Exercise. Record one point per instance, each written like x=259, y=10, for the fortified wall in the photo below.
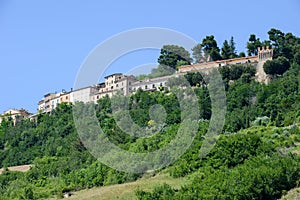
x=264, y=54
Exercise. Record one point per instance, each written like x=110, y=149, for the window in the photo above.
x=153, y=86
x=117, y=85
x=160, y=84
x=129, y=83
x=67, y=97
x=146, y=87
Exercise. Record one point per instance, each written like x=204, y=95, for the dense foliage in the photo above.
x=277, y=66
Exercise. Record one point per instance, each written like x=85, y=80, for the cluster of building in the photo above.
x=128, y=84
x=114, y=83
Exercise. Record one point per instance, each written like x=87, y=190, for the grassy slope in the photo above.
x=126, y=191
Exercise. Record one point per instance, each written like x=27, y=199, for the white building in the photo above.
x=153, y=84
x=83, y=94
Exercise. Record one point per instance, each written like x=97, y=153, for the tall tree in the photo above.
x=252, y=45
x=233, y=53
x=200, y=56
x=277, y=39
x=209, y=45
x=226, y=50
x=197, y=53
x=174, y=56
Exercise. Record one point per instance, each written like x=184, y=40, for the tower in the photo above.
x=264, y=54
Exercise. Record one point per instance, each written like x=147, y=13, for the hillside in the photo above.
x=127, y=191
x=254, y=157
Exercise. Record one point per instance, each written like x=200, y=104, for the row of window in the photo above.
x=146, y=87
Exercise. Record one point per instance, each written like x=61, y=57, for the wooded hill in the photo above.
x=253, y=157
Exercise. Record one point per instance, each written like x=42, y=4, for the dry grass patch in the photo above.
x=126, y=191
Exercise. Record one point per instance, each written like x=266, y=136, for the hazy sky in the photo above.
x=43, y=43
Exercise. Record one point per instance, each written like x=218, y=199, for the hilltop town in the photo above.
x=128, y=84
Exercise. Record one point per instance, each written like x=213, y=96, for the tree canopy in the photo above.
x=174, y=56
x=277, y=66
x=210, y=46
x=252, y=45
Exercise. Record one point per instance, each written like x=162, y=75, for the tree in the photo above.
x=209, y=45
x=292, y=47
x=252, y=45
x=277, y=66
x=163, y=70
x=233, y=53
x=199, y=55
x=174, y=56
x=242, y=54
x=194, y=78
x=277, y=39
x=226, y=50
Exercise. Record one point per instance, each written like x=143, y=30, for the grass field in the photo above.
x=126, y=191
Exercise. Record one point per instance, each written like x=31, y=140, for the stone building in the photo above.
x=257, y=61
x=15, y=115
x=113, y=84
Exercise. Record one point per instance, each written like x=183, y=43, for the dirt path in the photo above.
x=21, y=168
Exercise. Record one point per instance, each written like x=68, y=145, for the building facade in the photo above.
x=264, y=54
x=113, y=84
x=15, y=115
x=153, y=84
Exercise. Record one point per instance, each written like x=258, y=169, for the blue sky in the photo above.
x=43, y=43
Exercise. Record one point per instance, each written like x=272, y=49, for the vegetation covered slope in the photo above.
x=251, y=159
